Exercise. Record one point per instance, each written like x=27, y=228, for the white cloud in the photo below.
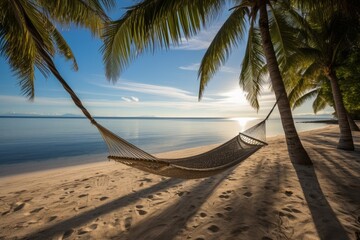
x=191, y=67
x=130, y=99
x=135, y=99
x=157, y=90
x=199, y=42
x=126, y=99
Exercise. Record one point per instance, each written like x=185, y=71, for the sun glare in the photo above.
x=243, y=122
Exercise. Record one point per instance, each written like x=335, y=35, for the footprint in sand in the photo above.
x=181, y=193
x=248, y=194
x=82, y=231
x=202, y=214
x=224, y=196
x=82, y=195
x=36, y=210
x=93, y=226
x=288, y=215
x=4, y=213
x=295, y=210
x=228, y=209
x=141, y=212
x=288, y=193
x=19, y=206
x=103, y=198
x=102, y=180
x=213, y=228
x=127, y=223
x=220, y=215
x=52, y=218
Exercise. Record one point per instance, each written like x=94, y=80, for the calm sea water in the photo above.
x=43, y=139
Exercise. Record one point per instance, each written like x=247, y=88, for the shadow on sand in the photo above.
x=324, y=218
x=88, y=216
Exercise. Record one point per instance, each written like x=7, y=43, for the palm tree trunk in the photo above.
x=296, y=150
x=353, y=126
x=345, y=141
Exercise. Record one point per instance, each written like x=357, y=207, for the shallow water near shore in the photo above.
x=30, y=139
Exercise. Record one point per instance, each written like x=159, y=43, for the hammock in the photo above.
x=203, y=165
x=206, y=164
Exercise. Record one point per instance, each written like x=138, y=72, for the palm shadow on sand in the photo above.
x=88, y=216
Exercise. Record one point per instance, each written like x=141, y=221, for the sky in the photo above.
x=162, y=84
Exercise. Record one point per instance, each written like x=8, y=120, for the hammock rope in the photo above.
x=205, y=164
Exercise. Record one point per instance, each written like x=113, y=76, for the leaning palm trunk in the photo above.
x=296, y=150
x=345, y=141
x=352, y=123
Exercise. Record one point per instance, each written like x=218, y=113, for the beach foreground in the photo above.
x=265, y=197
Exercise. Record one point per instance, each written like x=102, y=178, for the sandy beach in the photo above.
x=265, y=197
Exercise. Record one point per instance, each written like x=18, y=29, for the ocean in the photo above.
x=40, y=139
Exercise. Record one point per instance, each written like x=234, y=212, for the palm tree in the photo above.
x=326, y=36
x=319, y=90
x=152, y=24
x=29, y=37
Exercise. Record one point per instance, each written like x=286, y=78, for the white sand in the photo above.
x=265, y=197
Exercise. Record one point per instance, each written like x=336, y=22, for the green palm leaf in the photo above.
x=153, y=24
x=251, y=67
x=229, y=35
x=305, y=97
x=28, y=32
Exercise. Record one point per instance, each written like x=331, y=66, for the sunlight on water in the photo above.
x=43, y=139
x=244, y=123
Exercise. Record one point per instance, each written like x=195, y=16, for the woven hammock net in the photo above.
x=205, y=164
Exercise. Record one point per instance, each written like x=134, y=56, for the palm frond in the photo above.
x=283, y=36
x=252, y=65
x=305, y=97
x=63, y=48
x=89, y=14
x=228, y=36
x=319, y=103
x=313, y=71
x=153, y=24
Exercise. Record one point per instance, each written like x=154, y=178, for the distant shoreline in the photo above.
x=329, y=121
x=321, y=119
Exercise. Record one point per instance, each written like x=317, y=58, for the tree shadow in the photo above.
x=88, y=216
x=168, y=223
x=324, y=218
x=253, y=207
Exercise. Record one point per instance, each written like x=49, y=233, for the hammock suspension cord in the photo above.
x=206, y=164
